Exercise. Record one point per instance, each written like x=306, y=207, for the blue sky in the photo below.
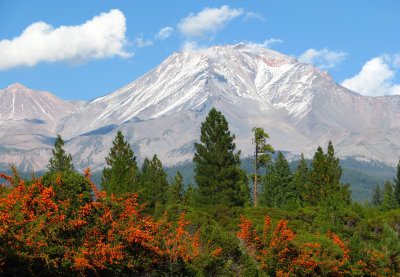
x=86, y=49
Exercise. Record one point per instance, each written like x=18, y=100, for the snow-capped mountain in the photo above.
x=28, y=119
x=299, y=106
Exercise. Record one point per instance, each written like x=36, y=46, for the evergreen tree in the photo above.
x=218, y=175
x=154, y=183
x=389, y=198
x=301, y=179
x=325, y=176
x=177, y=190
x=261, y=153
x=377, y=196
x=270, y=189
x=60, y=161
x=277, y=183
x=284, y=179
x=397, y=184
x=122, y=176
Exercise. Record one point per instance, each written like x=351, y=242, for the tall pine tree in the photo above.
x=122, y=175
x=377, y=196
x=60, y=161
x=261, y=156
x=277, y=187
x=301, y=179
x=325, y=183
x=154, y=182
x=218, y=175
x=397, y=184
x=389, y=197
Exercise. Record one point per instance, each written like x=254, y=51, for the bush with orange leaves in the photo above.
x=39, y=233
x=281, y=253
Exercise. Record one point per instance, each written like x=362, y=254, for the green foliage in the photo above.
x=301, y=180
x=218, y=174
x=377, y=196
x=123, y=174
x=397, y=184
x=261, y=156
x=69, y=186
x=277, y=184
x=60, y=161
x=154, y=184
x=389, y=198
x=325, y=183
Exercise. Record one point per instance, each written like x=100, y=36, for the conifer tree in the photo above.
x=122, y=176
x=389, y=198
x=325, y=176
x=154, y=183
x=377, y=197
x=301, y=179
x=60, y=161
x=270, y=189
x=176, y=193
x=397, y=184
x=277, y=183
x=261, y=153
x=218, y=175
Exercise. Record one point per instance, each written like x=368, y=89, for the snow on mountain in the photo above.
x=298, y=105
x=28, y=119
x=186, y=79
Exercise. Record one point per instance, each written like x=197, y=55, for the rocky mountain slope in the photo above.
x=28, y=119
x=298, y=105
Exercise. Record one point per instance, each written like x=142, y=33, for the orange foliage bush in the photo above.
x=279, y=254
x=107, y=233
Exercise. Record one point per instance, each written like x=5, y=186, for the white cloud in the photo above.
x=164, y=33
x=253, y=15
x=190, y=45
x=142, y=43
x=375, y=78
x=98, y=38
x=266, y=44
x=324, y=58
x=207, y=21
x=396, y=60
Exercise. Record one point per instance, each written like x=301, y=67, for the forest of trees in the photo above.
x=274, y=222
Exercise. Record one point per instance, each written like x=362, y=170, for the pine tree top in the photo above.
x=60, y=161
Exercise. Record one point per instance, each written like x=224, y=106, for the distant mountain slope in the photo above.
x=299, y=106
x=28, y=119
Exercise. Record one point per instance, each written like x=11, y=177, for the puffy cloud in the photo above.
x=98, y=38
x=375, y=78
x=324, y=58
x=207, y=21
x=266, y=44
x=142, y=43
x=164, y=33
x=253, y=15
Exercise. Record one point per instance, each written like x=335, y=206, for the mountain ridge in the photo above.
x=297, y=104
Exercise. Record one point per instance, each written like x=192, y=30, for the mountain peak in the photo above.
x=17, y=86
